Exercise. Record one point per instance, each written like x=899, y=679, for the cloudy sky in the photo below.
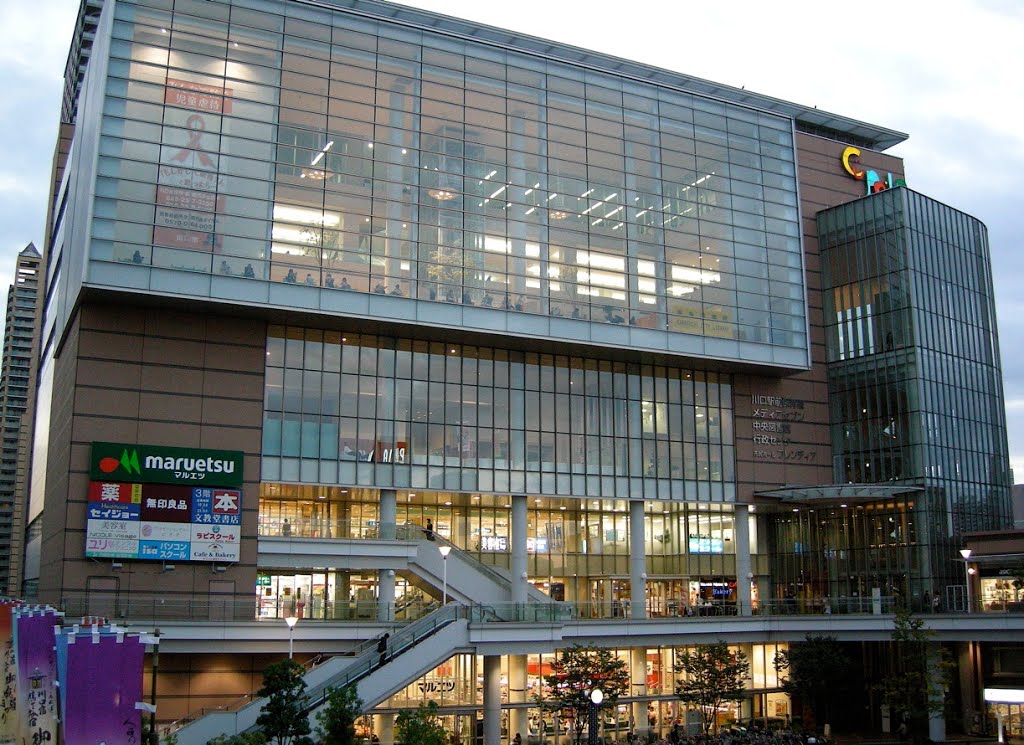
x=950, y=75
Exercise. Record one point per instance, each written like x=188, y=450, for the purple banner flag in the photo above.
x=36, y=660
x=100, y=676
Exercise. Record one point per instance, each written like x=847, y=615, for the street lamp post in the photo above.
x=445, y=550
x=596, y=697
x=966, y=553
x=291, y=621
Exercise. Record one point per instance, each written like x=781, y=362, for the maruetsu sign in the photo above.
x=874, y=182
x=151, y=464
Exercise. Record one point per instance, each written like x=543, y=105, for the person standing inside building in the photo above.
x=429, y=530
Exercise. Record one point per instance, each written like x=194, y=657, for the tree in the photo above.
x=818, y=670
x=579, y=670
x=713, y=675
x=915, y=687
x=245, y=738
x=282, y=718
x=421, y=727
x=336, y=722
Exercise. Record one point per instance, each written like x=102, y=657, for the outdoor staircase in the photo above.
x=446, y=632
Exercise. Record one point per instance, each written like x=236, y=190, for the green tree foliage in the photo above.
x=245, y=738
x=710, y=675
x=336, y=722
x=574, y=674
x=283, y=719
x=421, y=727
x=911, y=691
x=818, y=670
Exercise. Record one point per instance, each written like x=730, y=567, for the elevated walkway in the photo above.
x=411, y=552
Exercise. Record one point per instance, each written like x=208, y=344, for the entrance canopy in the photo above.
x=837, y=493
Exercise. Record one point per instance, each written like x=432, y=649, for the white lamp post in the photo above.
x=596, y=697
x=966, y=553
x=291, y=621
x=445, y=550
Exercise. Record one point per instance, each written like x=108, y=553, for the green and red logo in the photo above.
x=154, y=464
x=129, y=461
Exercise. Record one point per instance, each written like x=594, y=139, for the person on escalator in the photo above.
x=382, y=647
x=429, y=530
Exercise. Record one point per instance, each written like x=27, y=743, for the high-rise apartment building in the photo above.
x=331, y=285
x=15, y=385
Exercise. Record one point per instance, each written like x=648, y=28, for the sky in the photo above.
x=948, y=74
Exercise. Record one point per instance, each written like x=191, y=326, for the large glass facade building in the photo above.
x=564, y=313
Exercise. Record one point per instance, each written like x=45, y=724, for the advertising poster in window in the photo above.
x=105, y=668
x=187, y=194
x=131, y=517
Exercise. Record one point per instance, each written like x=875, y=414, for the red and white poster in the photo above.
x=187, y=202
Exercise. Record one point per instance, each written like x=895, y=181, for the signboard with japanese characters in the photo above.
x=164, y=521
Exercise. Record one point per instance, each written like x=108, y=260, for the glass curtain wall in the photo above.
x=577, y=550
x=378, y=411
x=342, y=153
x=914, y=374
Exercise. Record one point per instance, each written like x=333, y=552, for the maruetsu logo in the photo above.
x=129, y=461
x=196, y=467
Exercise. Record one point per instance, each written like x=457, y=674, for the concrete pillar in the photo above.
x=638, y=687
x=741, y=536
x=386, y=595
x=936, y=689
x=518, y=720
x=384, y=728
x=969, y=697
x=637, y=561
x=492, y=700
x=388, y=513
x=518, y=540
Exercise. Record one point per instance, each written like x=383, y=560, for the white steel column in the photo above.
x=388, y=514
x=638, y=687
x=518, y=539
x=637, y=561
x=492, y=700
x=386, y=577
x=386, y=595
x=517, y=718
x=384, y=727
x=741, y=533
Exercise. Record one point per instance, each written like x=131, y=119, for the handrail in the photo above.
x=413, y=532
x=401, y=641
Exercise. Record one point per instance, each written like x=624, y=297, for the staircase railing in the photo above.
x=413, y=532
x=367, y=657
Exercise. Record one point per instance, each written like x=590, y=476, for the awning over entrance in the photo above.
x=836, y=493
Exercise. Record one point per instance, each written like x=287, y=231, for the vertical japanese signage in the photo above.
x=100, y=678
x=145, y=503
x=37, y=674
x=9, y=674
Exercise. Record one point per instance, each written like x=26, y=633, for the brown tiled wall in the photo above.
x=159, y=377
x=806, y=458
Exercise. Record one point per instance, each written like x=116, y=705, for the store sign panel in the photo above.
x=150, y=464
x=163, y=522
